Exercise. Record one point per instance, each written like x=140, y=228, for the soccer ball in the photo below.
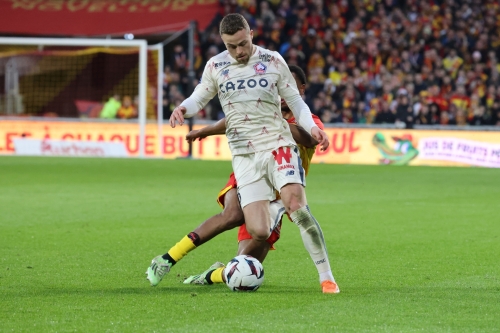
x=244, y=273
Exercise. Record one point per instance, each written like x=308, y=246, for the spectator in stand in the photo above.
x=445, y=119
x=385, y=115
x=452, y=63
x=423, y=116
x=347, y=116
x=127, y=110
x=404, y=112
x=111, y=107
x=480, y=118
x=420, y=84
x=167, y=76
x=461, y=119
x=360, y=115
x=435, y=114
x=179, y=59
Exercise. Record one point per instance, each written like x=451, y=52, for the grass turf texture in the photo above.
x=413, y=249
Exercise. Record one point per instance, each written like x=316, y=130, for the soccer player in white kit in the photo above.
x=250, y=82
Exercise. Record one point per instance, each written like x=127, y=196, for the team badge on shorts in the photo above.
x=260, y=68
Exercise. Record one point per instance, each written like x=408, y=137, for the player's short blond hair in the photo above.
x=232, y=23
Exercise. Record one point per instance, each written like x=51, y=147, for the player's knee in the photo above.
x=293, y=197
x=259, y=233
x=293, y=205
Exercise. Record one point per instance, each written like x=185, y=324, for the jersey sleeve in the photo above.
x=287, y=89
x=318, y=122
x=202, y=94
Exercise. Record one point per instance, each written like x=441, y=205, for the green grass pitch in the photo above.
x=412, y=248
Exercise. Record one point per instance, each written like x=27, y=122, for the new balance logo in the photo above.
x=265, y=57
x=290, y=173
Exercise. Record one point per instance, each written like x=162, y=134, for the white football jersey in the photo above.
x=250, y=96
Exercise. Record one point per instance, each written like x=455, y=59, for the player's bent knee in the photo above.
x=260, y=233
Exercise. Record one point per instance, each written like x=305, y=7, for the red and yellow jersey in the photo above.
x=306, y=154
x=461, y=101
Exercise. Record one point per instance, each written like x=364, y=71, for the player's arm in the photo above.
x=301, y=136
x=215, y=129
x=202, y=94
x=287, y=88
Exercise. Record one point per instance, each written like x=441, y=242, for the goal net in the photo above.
x=79, y=78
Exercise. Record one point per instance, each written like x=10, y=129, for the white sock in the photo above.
x=326, y=276
x=314, y=242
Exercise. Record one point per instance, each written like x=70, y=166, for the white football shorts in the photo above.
x=259, y=174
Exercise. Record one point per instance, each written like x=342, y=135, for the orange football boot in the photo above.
x=330, y=287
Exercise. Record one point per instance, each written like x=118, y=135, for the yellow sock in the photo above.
x=181, y=249
x=216, y=275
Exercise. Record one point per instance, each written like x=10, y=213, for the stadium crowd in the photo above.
x=372, y=61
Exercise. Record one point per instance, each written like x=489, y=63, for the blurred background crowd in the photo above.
x=425, y=62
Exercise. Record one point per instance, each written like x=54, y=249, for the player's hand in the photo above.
x=177, y=116
x=193, y=135
x=321, y=137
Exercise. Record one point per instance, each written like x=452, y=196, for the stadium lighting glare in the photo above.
x=129, y=36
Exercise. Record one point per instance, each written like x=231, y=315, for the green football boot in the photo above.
x=202, y=278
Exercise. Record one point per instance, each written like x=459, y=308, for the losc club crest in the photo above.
x=260, y=68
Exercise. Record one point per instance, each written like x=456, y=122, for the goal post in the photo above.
x=158, y=48
x=13, y=98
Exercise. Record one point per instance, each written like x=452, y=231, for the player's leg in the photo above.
x=255, y=249
x=293, y=196
x=291, y=184
x=229, y=218
x=255, y=199
x=254, y=194
x=246, y=245
x=251, y=247
x=257, y=217
x=259, y=250
x=215, y=273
